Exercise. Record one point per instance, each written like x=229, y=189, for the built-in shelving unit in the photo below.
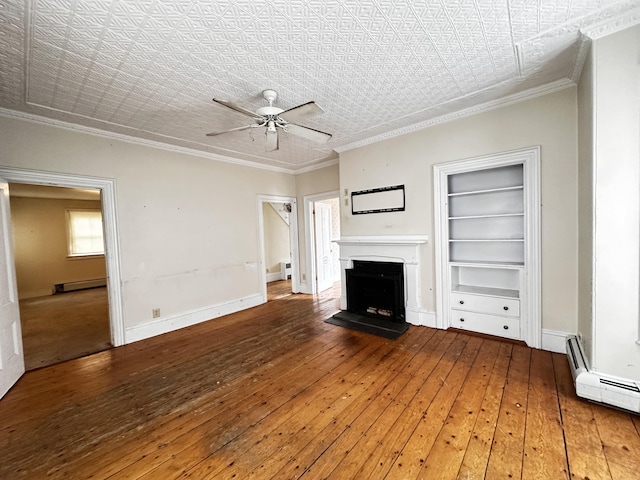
x=485, y=239
x=486, y=215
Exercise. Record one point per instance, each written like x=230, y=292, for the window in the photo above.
x=85, y=232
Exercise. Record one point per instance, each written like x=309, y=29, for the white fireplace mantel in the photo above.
x=397, y=248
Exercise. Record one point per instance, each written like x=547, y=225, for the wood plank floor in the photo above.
x=275, y=393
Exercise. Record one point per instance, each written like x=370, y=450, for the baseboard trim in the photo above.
x=43, y=292
x=554, y=341
x=274, y=277
x=175, y=322
x=421, y=317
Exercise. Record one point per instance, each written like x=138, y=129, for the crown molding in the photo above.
x=581, y=57
x=317, y=166
x=29, y=117
x=465, y=112
x=612, y=25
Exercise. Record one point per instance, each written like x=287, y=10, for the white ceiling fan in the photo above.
x=273, y=118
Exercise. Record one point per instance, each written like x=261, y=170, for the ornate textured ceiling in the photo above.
x=148, y=69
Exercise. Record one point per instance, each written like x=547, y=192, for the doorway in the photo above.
x=12, y=358
x=106, y=186
x=277, y=248
x=60, y=272
x=322, y=231
x=278, y=244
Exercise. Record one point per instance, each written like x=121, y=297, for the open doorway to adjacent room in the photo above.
x=61, y=273
x=277, y=248
x=278, y=226
x=322, y=224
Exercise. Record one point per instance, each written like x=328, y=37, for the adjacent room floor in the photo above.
x=61, y=327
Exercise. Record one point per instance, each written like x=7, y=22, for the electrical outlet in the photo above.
x=155, y=312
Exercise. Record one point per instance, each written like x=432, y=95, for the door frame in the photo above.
x=107, y=187
x=310, y=236
x=293, y=243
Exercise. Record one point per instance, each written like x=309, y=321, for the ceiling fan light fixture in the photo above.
x=269, y=117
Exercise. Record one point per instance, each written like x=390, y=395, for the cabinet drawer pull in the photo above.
x=505, y=307
x=461, y=302
x=462, y=319
x=506, y=327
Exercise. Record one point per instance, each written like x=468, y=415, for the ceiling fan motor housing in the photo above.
x=269, y=111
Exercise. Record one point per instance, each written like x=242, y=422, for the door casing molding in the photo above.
x=107, y=187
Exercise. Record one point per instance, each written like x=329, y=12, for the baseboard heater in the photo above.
x=81, y=285
x=591, y=385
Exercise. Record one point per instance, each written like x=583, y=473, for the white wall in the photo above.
x=617, y=201
x=188, y=225
x=549, y=121
x=585, y=204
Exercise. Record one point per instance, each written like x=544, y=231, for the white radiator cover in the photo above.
x=597, y=387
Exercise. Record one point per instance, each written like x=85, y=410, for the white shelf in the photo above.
x=488, y=190
x=488, y=291
x=516, y=265
x=500, y=215
x=498, y=202
x=487, y=240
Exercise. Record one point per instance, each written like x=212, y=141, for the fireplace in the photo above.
x=375, y=299
x=404, y=253
x=376, y=289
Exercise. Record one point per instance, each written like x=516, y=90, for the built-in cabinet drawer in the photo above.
x=490, y=324
x=486, y=304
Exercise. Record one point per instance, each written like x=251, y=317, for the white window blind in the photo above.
x=85, y=232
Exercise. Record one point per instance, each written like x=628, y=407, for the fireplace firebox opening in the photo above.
x=376, y=289
x=375, y=299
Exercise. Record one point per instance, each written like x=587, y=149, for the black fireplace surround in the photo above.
x=376, y=289
x=375, y=299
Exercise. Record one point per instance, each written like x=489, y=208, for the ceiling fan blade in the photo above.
x=308, y=133
x=306, y=110
x=236, y=108
x=213, y=134
x=271, y=140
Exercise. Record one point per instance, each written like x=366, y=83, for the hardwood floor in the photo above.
x=275, y=393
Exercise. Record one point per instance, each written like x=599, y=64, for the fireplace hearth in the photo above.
x=375, y=299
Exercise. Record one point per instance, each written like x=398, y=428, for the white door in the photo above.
x=324, y=264
x=11, y=357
